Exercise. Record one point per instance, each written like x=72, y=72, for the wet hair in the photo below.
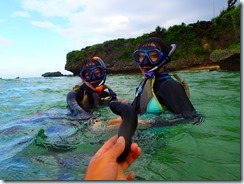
x=165, y=48
x=94, y=61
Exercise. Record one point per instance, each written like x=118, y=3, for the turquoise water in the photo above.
x=40, y=141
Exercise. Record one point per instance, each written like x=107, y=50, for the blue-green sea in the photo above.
x=40, y=141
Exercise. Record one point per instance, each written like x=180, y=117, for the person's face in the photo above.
x=154, y=56
x=93, y=75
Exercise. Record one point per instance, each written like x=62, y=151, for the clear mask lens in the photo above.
x=154, y=56
x=93, y=73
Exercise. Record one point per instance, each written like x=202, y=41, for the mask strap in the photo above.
x=167, y=58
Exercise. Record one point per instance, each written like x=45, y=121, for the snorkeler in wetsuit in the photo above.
x=158, y=91
x=92, y=92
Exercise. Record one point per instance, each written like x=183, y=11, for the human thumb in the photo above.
x=117, y=148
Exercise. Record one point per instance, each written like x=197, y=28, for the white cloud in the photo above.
x=44, y=24
x=58, y=8
x=21, y=14
x=93, y=21
x=5, y=42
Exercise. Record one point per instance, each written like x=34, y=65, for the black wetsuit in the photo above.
x=83, y=99
x=171, y=94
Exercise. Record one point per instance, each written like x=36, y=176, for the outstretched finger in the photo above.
x=117, y=148
x=107, y=145
x=131, y=176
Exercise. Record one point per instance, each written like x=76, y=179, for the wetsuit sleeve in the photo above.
x=108, y=96
x=72, y=100
x=135, y=106
x=112, y=94
x=173, y=96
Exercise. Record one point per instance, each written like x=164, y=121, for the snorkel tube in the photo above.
x=128, y=125
x=100, y=61
x=151, y=72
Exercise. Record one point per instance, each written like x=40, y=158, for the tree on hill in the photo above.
x=231, y=4
x=195, y=43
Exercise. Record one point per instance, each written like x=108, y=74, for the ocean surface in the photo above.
x=39, y=140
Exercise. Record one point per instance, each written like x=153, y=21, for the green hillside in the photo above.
x=195, y=44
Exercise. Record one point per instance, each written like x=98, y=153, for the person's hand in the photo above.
x=116, y=121
x=123, y=100
x=142, y=124
x=104, y=165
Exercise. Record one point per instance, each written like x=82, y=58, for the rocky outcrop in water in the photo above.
x=227, y=60
x=204, y=43
x=54, y=74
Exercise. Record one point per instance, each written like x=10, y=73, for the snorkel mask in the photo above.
x=93, y=72
x=153, y=58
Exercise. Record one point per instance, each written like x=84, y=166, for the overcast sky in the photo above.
x=36, y=35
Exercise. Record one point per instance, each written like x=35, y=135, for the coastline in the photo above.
x=201, y=68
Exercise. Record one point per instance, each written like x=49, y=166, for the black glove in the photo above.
x=75, y=109
x=128, y=125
